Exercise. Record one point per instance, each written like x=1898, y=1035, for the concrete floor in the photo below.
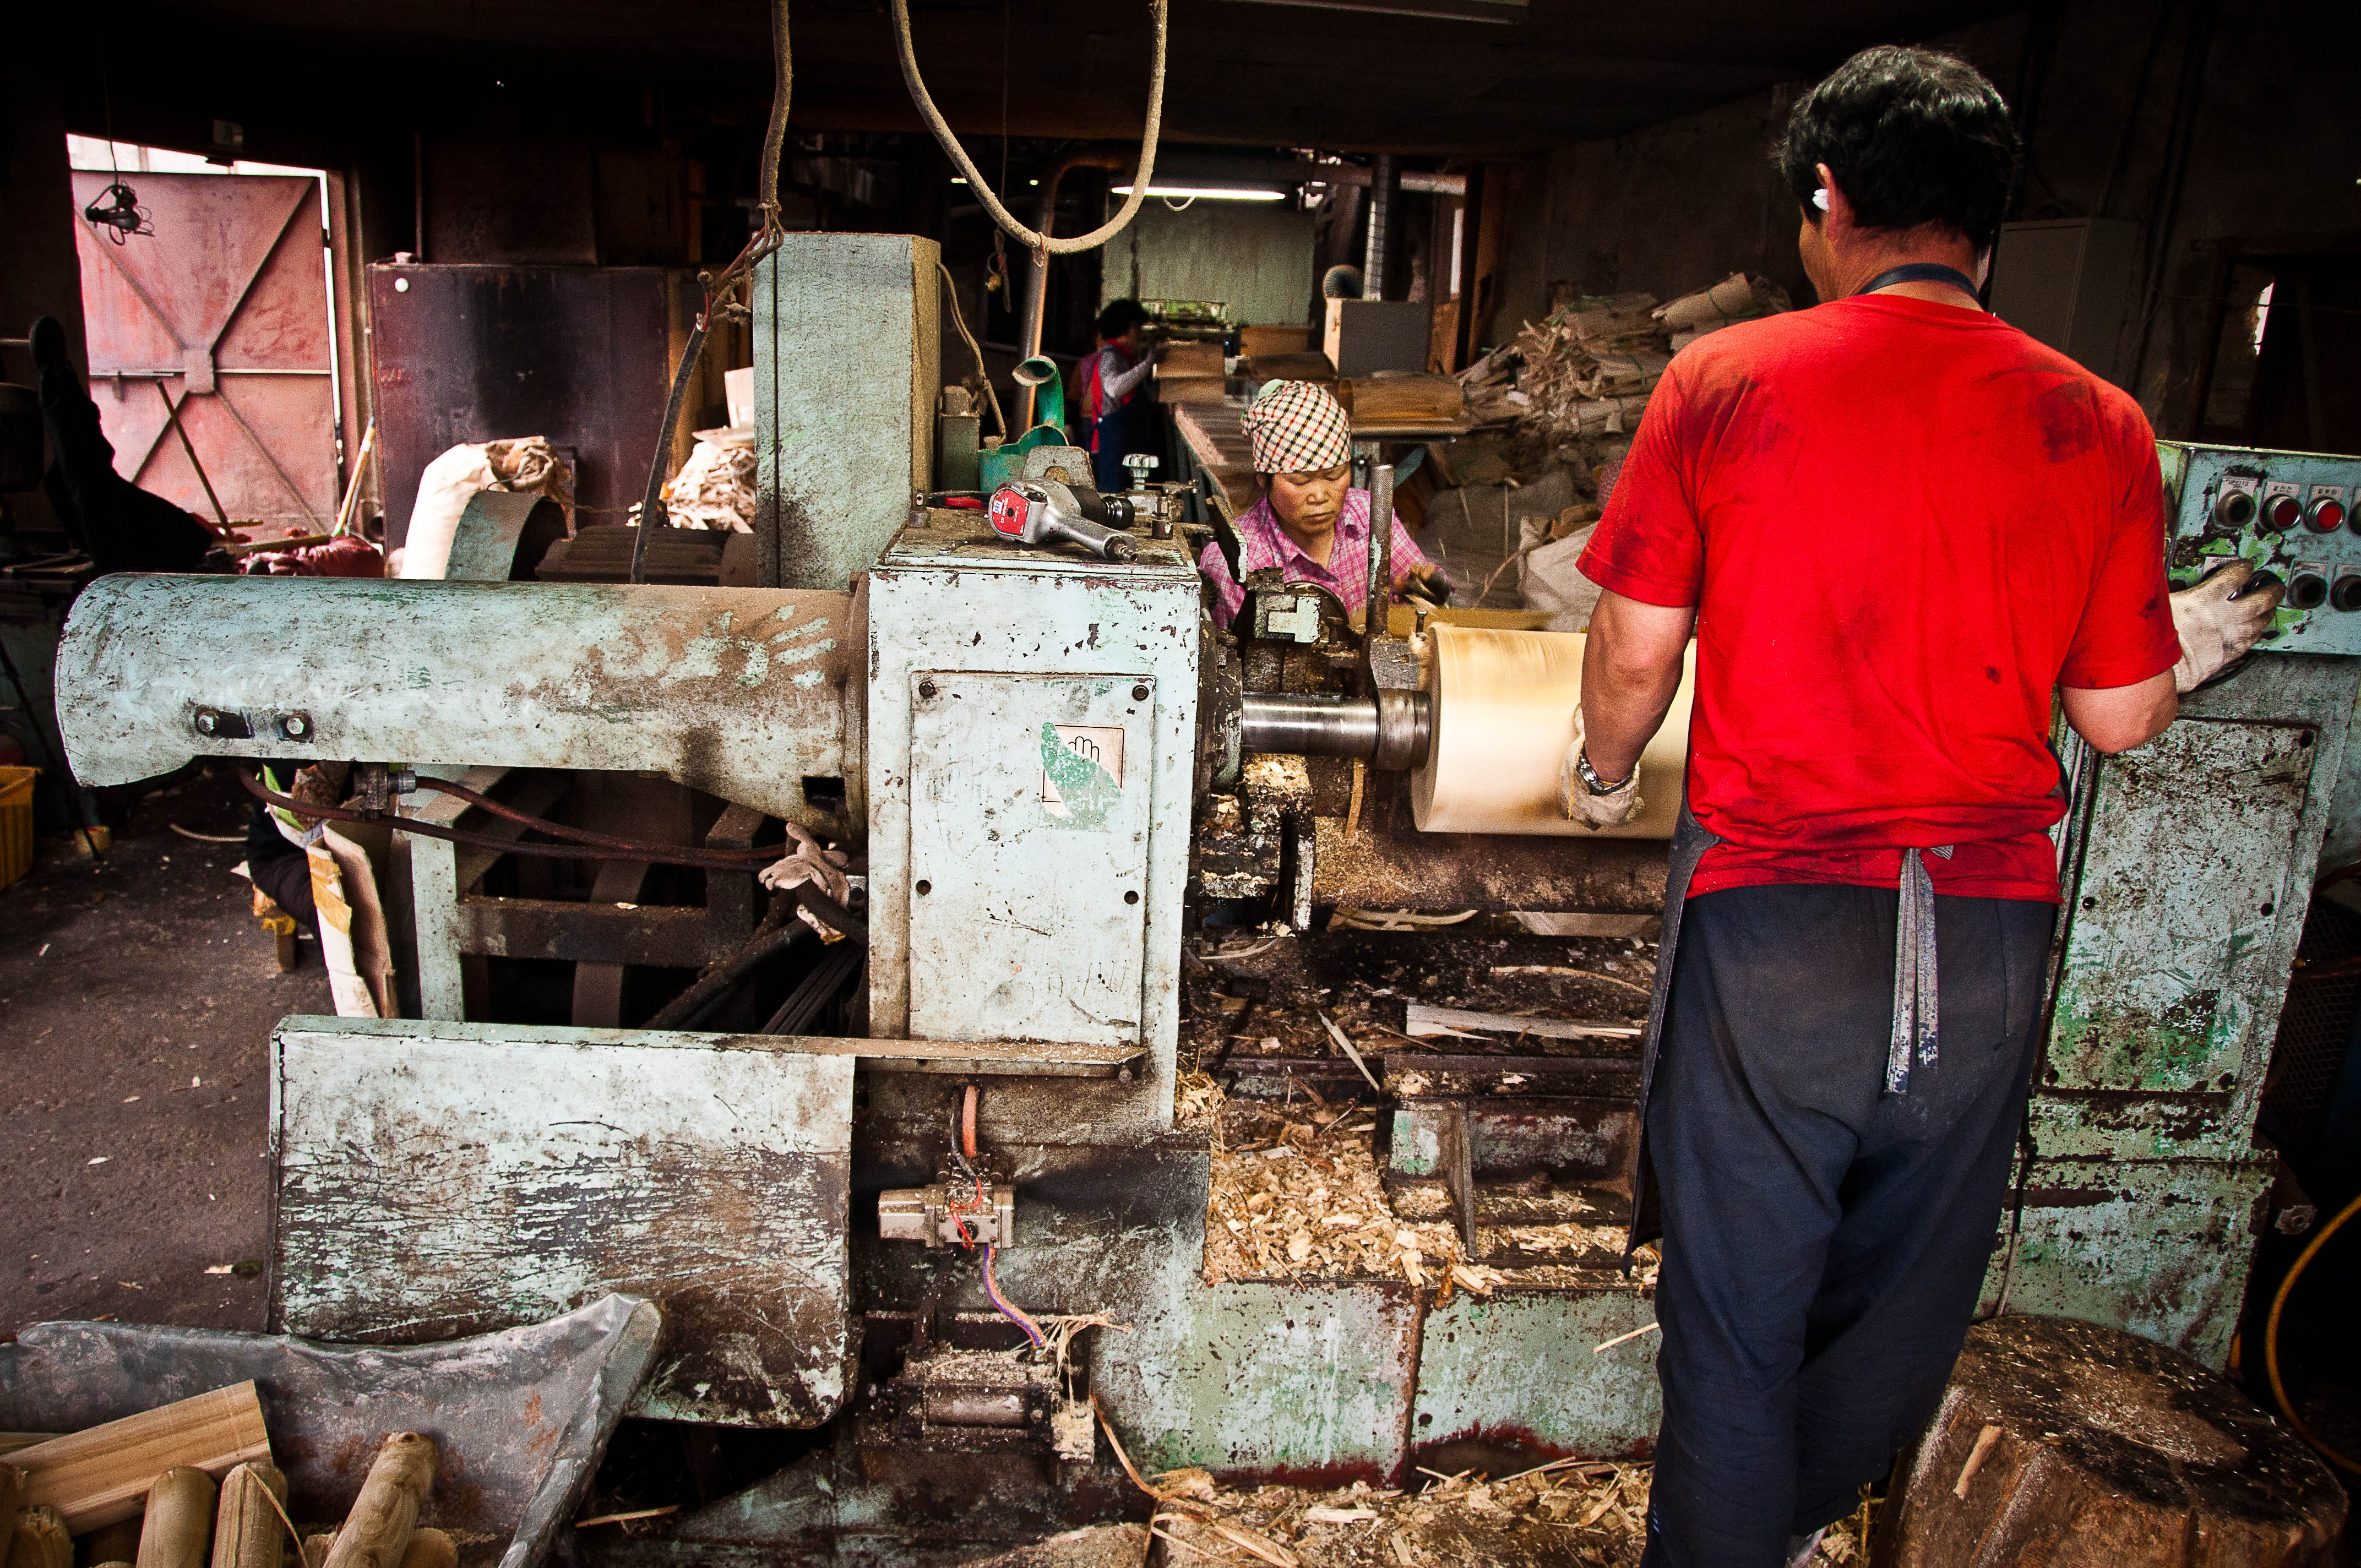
x=136, y=1001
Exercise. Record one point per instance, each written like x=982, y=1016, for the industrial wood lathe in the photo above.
x=1062, y=783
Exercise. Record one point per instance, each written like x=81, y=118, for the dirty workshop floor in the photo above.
x=136, y=1000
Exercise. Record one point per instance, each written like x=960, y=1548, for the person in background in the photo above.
x=1310, y=523
x=1118, y=413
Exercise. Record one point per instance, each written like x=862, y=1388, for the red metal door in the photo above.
x=224, y=310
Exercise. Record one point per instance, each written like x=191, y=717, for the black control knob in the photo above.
x=2236, y=509
x=2307, y=590
x=2346, y=593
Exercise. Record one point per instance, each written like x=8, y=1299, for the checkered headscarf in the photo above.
x=1297, y=427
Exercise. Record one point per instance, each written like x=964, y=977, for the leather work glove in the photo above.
x=1596, y=811
x=808, y=863
x=2218, y=623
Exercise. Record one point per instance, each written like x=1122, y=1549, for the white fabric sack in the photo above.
x=444, y=487
x=1550, y=580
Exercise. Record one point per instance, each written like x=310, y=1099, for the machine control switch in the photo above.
x=958, y=1209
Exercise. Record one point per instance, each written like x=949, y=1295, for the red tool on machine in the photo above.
x=1038, y=512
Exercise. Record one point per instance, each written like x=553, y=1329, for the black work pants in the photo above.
x=1824, y=1241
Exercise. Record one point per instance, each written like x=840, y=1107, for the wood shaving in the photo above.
x=1318, y=1211
x=1574, y=1512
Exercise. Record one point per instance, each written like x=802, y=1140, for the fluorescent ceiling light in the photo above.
x=1209, y=193
x=1502, y=11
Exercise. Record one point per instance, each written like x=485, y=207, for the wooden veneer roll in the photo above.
x=1503, y=715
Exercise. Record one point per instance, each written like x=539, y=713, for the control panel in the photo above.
x=2289, y=513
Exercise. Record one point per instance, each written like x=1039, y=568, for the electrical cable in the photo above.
x=1039, y=243
x=823, y=908
x=1008, y=1309
x=719, y=288
x=960, y=321
x=2271, y=1339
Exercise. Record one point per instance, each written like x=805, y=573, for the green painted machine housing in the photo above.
x=2188, y=865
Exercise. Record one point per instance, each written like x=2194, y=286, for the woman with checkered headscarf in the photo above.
x=1310, y=523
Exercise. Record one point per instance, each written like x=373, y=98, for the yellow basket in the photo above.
x=15, y=822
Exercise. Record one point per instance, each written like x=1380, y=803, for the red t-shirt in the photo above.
x=1901, y=523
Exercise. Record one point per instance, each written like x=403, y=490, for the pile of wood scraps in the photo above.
x=1574, y=1513
x=1304, y=1201
x=1735, y=298
x=192, y=1483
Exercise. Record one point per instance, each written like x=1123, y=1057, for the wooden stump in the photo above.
x=2061, y=1445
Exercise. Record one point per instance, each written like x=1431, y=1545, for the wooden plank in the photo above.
x=434, y=1180
x=99, y=1477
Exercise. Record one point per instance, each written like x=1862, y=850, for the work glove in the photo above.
x=809, y=863
x=2219, y=621
x=1594, y=811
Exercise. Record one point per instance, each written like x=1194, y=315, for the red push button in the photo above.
x=2282, y=512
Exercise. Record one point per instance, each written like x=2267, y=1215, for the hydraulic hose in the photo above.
x=2272, y=1340
x=1000, y=214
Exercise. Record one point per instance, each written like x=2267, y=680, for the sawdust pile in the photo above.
x=1561, y=1515
x=1570, y=1514
x=1304, y=1201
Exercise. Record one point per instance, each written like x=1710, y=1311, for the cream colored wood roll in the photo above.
x=1503, y=717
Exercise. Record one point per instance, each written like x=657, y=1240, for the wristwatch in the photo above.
x=1590, y=779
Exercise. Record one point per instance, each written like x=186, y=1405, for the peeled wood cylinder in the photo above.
x=431, y=1548
x=2073, y=1446
x=247, y=1531
x=40, y=1541
x=376, y=1532
x=178, y=1527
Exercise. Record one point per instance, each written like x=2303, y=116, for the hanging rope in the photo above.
x=722, y=288
x=1040, y=243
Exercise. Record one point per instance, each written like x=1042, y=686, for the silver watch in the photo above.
x=1590, y=779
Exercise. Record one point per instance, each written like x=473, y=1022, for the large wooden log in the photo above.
x=2061, y=1445
x=99, y=1475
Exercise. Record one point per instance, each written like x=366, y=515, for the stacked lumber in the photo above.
x=1417, y=401
x=1183, y=359
x=191, y=1484
x=1313, y=365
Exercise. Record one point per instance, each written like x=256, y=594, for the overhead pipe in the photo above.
x=1037, y=267
x=1385, y=182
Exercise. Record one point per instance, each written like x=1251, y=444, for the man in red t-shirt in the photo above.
x=1897, y=525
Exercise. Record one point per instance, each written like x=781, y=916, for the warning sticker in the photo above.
x=1081, y=771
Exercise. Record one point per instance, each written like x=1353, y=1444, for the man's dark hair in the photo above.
x=1912, y=137
x=1120, y=317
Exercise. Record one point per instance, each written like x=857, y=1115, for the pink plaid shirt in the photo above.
x=1263, y=543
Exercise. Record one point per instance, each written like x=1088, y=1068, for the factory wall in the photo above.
x=2203, y=122
x=1255, y=258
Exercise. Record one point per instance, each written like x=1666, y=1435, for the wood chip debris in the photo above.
x=1304, y=1205
x=1571, y=1512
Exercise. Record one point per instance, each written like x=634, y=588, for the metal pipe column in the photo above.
x=1385, y=183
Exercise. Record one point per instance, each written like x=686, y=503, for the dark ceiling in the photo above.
x=1241, y=72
